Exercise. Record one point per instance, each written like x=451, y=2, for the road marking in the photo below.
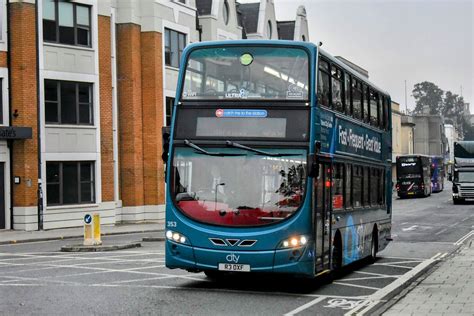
x=413, y=227
x=376, y=274
x=370, y=278
x=405, y=258
x=461, y=240
x=454, y=224
x=356, y=285
x=305, y=306
x=391, y=265
x=377, y=297
x=397, y=262
x=343, y=303
x=465, y=219
x=441, y=231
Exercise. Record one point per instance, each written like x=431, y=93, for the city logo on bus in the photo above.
x=351, y=138
x=232, y=258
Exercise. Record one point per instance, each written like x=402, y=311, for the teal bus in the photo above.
x=277, y=159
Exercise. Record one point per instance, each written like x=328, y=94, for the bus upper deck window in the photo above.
x=324, y=91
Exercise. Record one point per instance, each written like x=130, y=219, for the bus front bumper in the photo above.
x=298, y=260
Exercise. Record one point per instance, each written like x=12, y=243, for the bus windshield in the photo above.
x=409, y=167
x=242, y=188
x=263, y=73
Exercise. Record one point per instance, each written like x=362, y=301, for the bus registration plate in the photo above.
x=234, y=267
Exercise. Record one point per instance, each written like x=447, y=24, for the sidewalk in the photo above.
x=14, y=236
x=449, y=290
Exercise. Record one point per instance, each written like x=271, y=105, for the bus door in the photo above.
x=323, y=205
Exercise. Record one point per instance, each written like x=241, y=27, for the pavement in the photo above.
x=17, y=236
x=447, y=290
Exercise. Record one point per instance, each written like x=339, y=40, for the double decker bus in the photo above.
x=278, y=161
x=413, y=176
x=437, y=174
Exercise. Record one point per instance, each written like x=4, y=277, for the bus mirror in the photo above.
x=313, y=166
x=165, y=142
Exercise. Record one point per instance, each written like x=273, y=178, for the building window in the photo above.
x=70, y=182
x=68, y=102
x=226, y=12
x=169, y=110
x=174, y=45
x=66, y=23
x=269, y=29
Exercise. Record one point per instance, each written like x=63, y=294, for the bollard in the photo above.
x=88, y=233
x=96, y=224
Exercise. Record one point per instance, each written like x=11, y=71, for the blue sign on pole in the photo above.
x=87, y=218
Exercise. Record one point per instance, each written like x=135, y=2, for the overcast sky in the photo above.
x=395, y=40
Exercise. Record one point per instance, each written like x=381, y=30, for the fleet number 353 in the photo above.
x=171, y=224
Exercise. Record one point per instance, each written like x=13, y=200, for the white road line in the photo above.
x=461, y=240
x=377, y=297
x=391, y=265
x=454, y=224
x=397, y=262
x=413, y=227
x=441, y=231
x=377, y=274
x=305, y=306
x=356, y=285
x=370, y=278
x=404, y=258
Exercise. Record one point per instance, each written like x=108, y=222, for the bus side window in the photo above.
x=381, y=185
x=365, y=190
x=357, y=186
x=338, y=193
x=347, y=94
x=356, y=99
x=374, y=186
x=337, y=85
x=324, y=89
x=373, y=108
x=380, y=107
x=348, y=186
x=366, y=104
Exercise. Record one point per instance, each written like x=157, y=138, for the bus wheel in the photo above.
x=214, y=275
x=374, y=246
x=337, y=253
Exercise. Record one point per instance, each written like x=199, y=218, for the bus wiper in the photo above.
x=209, y=153
x=257, y=151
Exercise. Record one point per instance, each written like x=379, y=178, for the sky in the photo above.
x=397, y=40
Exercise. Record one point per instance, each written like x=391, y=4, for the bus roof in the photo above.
x=307, y=45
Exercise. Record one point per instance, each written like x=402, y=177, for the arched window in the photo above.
x=225, y=12
x=269, y=29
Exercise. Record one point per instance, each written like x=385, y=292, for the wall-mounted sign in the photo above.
x=15, y=132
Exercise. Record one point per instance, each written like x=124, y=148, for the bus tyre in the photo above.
x=214, y=275
x=374, y=247
x=337, y=256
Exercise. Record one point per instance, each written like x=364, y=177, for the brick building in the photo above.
x=85, y=87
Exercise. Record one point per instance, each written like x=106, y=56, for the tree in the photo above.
x=449, y=104
x=428, y=97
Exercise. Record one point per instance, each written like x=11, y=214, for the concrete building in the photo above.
x=396, y=137
x=259, y=20
x=296, y=30
x=218, y=20
x=407, y=134
x=429, y=136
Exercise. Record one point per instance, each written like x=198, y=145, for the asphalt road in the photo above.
x=35, y=278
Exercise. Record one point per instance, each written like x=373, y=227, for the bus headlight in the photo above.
x=296, y=241
x=176, y=237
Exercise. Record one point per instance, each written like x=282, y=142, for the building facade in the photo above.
x=396, y=137
x=86, y=86
x=429, y=136
x=407, y=134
